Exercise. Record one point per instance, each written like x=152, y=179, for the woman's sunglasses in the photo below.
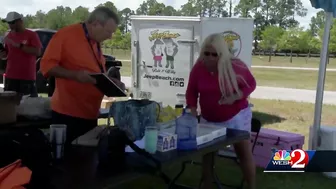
x=210, y=54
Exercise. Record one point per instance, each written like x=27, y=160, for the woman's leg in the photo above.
x=244, y=154
x=243, y=149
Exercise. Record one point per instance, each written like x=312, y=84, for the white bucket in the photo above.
x=328, y=142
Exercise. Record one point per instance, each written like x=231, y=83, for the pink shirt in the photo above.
x=21, y=65
x=205, y=85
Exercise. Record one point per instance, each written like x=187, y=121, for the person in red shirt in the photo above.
x=222, y=84
x=22, y=46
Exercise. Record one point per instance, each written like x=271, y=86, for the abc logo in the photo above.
x=299, y=159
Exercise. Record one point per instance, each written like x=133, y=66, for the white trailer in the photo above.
x=165, y=48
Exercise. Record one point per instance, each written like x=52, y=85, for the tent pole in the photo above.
x=320, y=83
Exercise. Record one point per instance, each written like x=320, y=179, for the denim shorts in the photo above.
x=241, y=121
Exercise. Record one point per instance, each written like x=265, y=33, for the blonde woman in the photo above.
x=223, y=84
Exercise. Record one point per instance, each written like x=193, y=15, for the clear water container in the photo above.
x=186, y=131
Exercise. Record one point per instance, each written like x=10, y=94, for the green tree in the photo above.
x=290, y=41
x=303, y=42
x=127, y=41
x=315, y=44
x=270, y=39
x=59, y=17
x=205, y=8
x=80, y=14
x=116, y=42
x=317, y=22
x=125, y=19
x=283, y=12
x=266, y=13
x=3, y=28
x=188, y=9
x=244, y=8
x=29, y=21
x=332, y=38
x=170, y=11
x=150, y=7
x=266, y=10
x=40, y=19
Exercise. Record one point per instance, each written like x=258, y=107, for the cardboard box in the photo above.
x=166, y=142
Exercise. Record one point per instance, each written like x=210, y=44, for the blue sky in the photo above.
x=31, y=6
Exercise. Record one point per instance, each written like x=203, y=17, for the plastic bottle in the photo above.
x=186, y=131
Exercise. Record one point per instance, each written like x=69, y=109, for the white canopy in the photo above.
x=329, y=6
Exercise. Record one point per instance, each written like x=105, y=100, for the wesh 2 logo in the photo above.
x=288, y=161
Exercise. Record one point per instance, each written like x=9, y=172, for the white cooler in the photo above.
x=328, y=141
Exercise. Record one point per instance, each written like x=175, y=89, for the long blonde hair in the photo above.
x=227, y=78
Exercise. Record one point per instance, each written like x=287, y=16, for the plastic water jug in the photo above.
x=186, y=131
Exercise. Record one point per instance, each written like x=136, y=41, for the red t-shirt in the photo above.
x=205, y=86
x=21, y=65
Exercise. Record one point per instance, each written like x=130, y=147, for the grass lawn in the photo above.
x=300, y=79
x=281, y=115
x=120, y=54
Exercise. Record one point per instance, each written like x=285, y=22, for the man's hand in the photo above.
x=84, y=77
x=9, y=41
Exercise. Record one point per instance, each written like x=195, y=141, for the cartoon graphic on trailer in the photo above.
x=163, y=43
x=170, y=50
x=157, y=52
x=234, y=42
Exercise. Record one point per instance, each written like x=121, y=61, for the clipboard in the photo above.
x=107, y=86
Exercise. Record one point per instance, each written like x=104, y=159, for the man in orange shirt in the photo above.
x=72, y=54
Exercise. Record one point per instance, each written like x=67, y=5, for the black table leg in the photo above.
x=173, y=185
x=214, y=175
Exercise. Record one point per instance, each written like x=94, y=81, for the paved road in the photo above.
x=300, y=95
x=275, y=93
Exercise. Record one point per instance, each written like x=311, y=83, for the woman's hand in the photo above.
x=229, y=100
x=194, y=111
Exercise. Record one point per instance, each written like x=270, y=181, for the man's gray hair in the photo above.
x=102, y=15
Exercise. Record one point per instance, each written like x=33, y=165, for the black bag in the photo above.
x=112, y=155
x=33, y=148
x=111, y=150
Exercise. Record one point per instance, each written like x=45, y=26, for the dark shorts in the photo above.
x=25, y=87
x=76, y=127
x=170, y=58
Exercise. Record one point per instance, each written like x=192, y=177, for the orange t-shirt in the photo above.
x=70, y=49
